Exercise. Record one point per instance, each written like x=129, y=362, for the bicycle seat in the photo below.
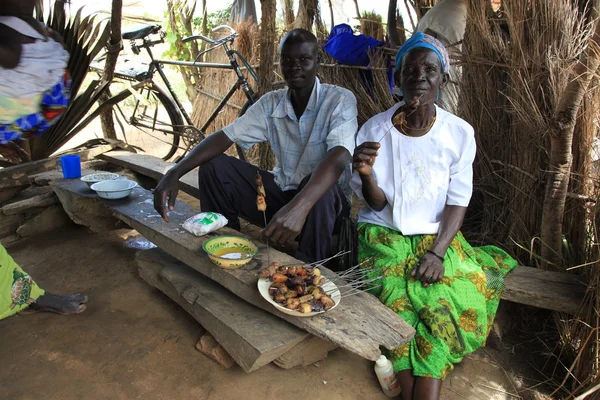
x=141, y=32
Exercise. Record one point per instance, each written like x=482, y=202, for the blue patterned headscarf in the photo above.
x=422, y=40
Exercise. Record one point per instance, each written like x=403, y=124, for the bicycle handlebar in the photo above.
x=227, y=38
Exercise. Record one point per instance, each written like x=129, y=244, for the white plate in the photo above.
x=99, y=177
x=328, y=286
x=116, y=189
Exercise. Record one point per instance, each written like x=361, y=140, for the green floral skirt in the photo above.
x=453, y=317
x=17, y=289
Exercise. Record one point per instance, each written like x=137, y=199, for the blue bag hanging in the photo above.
x=349, y=49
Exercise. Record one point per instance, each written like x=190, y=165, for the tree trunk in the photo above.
x=357, y=10
x=331, y=14
x=307, y=9
x=408, y=6
x=114, y=48
x=561, y=152
x=392, y=30
x=400, y=28
x=288, y=13
x=178, y=12
x=266, y=71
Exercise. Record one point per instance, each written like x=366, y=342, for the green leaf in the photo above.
x=171, y=37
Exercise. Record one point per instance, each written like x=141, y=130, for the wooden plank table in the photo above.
x=545, y=289
x=360, y=323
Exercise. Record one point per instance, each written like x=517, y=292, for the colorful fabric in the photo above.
x=17, y=289
x=41, y=63
x=54, y=103
x=453, y=317
x=422, y=40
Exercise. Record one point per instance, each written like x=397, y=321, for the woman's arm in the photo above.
x=363, y=160
x=430, y=268
x=452, y=220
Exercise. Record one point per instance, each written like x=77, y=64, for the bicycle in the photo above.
x=157, y=115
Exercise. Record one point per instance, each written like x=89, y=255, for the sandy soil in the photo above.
x=134, y=343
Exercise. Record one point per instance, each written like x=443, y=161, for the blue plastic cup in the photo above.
x=70, y=166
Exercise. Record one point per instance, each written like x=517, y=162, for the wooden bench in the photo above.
x=551, y=290
x=360, y=324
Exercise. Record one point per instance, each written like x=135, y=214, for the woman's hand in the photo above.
x=364, y=158
x=429, y=270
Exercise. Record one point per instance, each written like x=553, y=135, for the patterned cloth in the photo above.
x=453, y=317
x=17, y=289
x=422, y=40
x=300, y=145
x=54, y=103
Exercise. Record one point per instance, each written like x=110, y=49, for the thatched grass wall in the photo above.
x=515, y=67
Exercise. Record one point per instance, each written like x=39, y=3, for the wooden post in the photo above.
x=392, y=30
x=266, y=73
x=561, y=156
x=114, y=48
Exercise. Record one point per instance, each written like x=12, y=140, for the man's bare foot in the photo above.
x=65, y=305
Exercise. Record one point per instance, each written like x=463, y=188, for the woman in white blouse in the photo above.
x=413, y=168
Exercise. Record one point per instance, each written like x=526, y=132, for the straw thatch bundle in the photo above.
x=371, y=25
x=215, y=83
x=370, y=85
x=515, y=68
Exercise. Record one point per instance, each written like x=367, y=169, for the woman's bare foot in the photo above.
x=65, y=305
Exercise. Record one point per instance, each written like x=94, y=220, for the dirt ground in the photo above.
x=135, y=343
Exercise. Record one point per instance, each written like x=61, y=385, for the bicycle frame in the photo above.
x=155, y=65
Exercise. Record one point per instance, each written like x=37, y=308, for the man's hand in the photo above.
x=364, y=158
x=286, y=224
x=429, y=270
x=167, y=189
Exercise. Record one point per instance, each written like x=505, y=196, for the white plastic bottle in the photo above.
x=387, y=378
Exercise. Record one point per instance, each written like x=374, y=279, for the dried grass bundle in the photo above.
x=512, y=80
x=215, y=83
x=370, y=86
x=371, y=25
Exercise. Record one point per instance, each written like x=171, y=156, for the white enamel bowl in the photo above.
x=329, y=287
x=115, y=189
x=99, y=177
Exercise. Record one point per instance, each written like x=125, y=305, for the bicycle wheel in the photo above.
x=148, y=119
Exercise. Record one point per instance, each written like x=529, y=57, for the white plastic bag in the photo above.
x=205, y=222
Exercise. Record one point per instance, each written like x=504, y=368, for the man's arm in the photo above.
x=167, y=189
x=287, y=223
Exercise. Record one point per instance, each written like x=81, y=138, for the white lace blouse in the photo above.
x=419, y=175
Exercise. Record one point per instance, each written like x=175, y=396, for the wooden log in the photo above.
x=251, y=336
x=360, y=323
x=9, y=224
x=44, y=178
x=7, y=194
x=310, y=351
x=556, y=291
x=153, y=167
x=18, y=175
x=11, y=240
x=209, y=346
x=52, y=218
x=36, y=202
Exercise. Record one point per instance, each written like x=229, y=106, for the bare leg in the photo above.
x=407, y=384
x=427, y=388
x=68, y=304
